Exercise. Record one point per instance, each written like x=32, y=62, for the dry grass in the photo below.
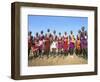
x=58, y=60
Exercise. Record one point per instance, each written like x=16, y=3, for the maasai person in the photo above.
x=52, y=40
x=60, y=44
x=54, y=36
x=47, y=45
x=34, y=49
x=71, y=43
x=36, y=41
x=85, y=45
x=53, y=47
x=48, y=33
x=79, y=34
x=30, y=40
x=41, y=36
x=36, y=37
x=41, y=44
x=41, y=47
x=65, y=43
x=78, y=45
x=82, y=38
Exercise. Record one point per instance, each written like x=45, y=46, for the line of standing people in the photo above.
x=50, y=44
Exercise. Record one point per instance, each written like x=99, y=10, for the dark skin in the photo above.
x=37, y=34
x=54, y=32
x=41, y=32
x=65, y=33
x=83, y=28
x=85, y=33
x=71, y=32
x=79, y=32
x=29, y=33
x=59, y=33
x=48, y=30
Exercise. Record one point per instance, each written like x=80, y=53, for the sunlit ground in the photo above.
x=56, y=60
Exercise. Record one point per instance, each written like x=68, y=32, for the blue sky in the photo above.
x=62, y=24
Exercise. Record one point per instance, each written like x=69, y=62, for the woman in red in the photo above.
x=47, y=45
x=60, y=45
x=65, y=43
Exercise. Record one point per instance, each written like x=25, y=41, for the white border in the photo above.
x=25, y=70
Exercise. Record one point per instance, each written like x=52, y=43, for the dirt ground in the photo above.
x=58, y=60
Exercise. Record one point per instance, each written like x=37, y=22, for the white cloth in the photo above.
x=54, y=45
